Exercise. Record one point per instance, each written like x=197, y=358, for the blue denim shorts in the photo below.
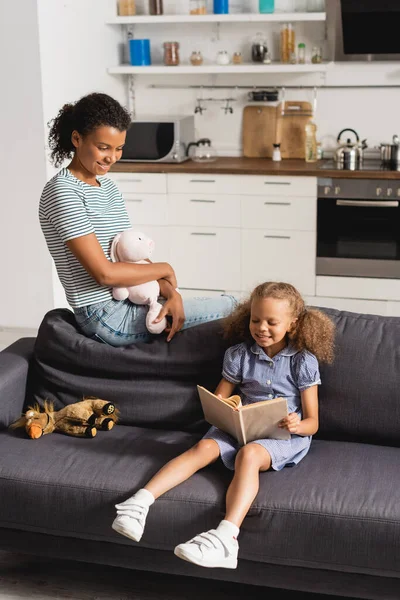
x=120, y=323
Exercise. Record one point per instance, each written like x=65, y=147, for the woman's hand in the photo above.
x=173, y=307
x=291, y=423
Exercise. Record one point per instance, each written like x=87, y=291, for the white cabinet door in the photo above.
x=147, y=208
x=204, y=210
x=193, y=183
x=206, y=258
x=277, y=212
x=278, y=255
x=140, y=183
x=279, y=185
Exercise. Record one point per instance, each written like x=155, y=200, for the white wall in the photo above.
x=26, y=286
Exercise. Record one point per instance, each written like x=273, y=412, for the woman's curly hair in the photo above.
x=313, y=330
x=90, y=112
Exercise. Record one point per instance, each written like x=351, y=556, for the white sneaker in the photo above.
x=210, y=549
x=130, y=521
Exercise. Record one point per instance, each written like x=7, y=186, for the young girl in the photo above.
x=80, y=213
x=282, y=342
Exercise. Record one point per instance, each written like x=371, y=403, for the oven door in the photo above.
x=358, y=238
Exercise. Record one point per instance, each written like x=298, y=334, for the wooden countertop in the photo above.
x=252, y=166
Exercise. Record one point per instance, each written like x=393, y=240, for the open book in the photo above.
x=245, y=423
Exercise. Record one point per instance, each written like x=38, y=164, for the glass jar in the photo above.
x=196, y=58
x=301, y=54
x=156, y=7
x=259, y=48
x=198, y=7
x=126, y=8
x=171, y=54
x=223, y=58
x=316, y=55
x=237, y=58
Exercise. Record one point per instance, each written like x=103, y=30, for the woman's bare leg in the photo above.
x=183, y=466
x=250, y=460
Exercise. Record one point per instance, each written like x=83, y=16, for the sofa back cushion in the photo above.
x=154, y=384
x=360, y=391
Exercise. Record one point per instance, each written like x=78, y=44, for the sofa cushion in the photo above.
x=360, y=392
x=338, y=509
x=153, y=384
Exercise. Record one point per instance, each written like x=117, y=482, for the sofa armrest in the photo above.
x=14, y=365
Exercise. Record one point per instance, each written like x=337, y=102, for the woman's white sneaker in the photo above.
x=210, y=549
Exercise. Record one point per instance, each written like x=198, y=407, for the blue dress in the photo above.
x=259, y=377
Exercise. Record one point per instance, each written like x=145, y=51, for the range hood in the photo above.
x=364, y=30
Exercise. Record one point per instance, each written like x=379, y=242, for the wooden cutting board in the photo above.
x=259, y=130
x=290, y=128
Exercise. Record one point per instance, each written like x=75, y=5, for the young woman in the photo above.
x=80, y=213
x=281, y=344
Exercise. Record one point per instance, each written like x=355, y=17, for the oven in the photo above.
x=358, y=228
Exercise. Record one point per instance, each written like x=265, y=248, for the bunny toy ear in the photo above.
x=113, y=252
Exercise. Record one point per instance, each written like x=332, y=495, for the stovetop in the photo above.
x=367, y=165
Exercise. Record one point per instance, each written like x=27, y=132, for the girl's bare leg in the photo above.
x=183, y=466
x=250, y=460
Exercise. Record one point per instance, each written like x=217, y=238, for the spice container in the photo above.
x=171, y=54
x=316, y=55
x=126, y=8
x=237, y=58
x=156, y=7
x=276, y=153
x=196, y=58
x=198, y=7
x=223, y=58
x=301, y=54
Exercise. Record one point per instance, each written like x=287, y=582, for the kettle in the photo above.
x=349, y=155
x=203, y=151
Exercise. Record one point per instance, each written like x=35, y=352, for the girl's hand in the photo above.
x=174, y=308
x=291, y=422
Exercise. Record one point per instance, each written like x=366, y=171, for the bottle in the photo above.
x=276, y=154
x=311, y=142
x=266, y=6
x=126, y=8
x=156, y=7
x=301, y=54
x=284, y=43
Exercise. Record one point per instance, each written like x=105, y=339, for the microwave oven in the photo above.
x=158, y=139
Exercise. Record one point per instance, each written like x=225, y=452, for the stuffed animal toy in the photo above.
x=81, y=419
x=135, y=247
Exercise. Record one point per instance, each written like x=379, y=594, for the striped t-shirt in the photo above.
x=70, y=208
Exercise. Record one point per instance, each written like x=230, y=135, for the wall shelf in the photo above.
x=218, y=69
x=234, y=18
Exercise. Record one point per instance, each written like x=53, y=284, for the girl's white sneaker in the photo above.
x=130, y=521
x=210, y=549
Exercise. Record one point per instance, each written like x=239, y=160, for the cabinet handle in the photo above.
x=279, y=203
x=134, y=200
x=278, y=237
x=198, y=233
x=208, y=201
x=129, y=180
x=202, y=181
x=277, y=183
x=374, y=203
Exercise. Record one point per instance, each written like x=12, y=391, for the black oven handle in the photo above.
x=373, y=203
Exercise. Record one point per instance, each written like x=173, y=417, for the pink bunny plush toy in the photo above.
x=134, y=247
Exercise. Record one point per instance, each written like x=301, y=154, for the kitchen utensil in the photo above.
x=266, y=95
x=259, y=131
x=349, y=155
x=292, y=118
x=203, y=151
x=390, y=153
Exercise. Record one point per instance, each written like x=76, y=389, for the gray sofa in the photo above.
x=330, y=525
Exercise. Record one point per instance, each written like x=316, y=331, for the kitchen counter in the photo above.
x=252, y=166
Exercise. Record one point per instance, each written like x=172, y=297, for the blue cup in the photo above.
x=221, y=7
x=139, y=51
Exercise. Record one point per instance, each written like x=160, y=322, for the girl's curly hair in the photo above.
x=313, y=330
x=90, y=112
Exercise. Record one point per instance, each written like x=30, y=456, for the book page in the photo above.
x=260, y=420
x=219, y=413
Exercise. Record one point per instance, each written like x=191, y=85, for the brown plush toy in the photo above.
x=81, y=419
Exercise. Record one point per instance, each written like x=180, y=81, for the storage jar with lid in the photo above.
x=171, y=54
x=223, y=58
x=126, y=8
x=196, y=58
x=198, y=7
x=156, y=7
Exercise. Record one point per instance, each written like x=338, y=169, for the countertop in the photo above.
x=252, y=166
